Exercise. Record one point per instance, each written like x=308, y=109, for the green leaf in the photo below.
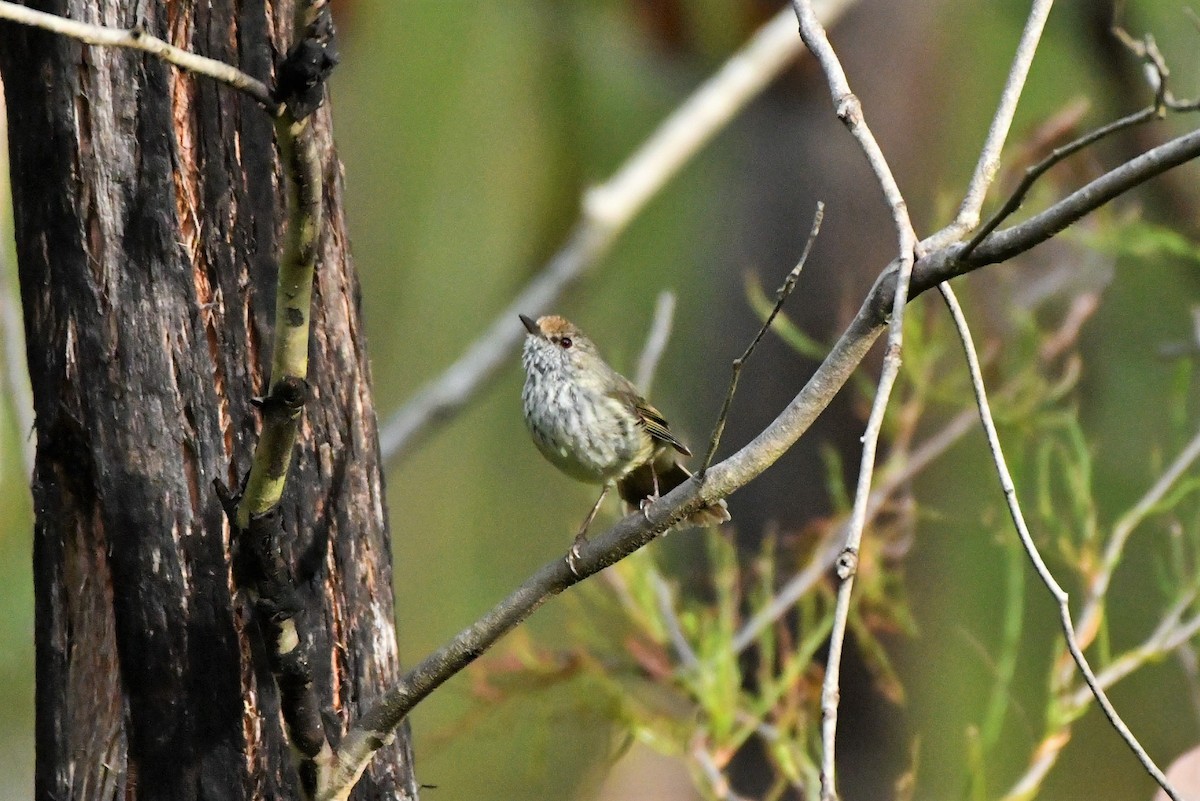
x=1144, y=240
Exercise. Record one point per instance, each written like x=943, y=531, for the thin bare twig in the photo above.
x=138, y=39
x=949, y=262
x=849, y=111
x=785, y=289
x=1047, y=578
x=606, y=212
x=656, y=341
x=1157, y=73
x=1033, y=173
x=989, y=155
x=1163, y=101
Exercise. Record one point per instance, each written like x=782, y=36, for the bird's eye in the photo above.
x=565, y=342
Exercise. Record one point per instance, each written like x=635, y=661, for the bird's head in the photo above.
x=554, y=342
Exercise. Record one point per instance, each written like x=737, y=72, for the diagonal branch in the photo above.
x=627, y=536
x=636, y=530
x=952, y=260
x=1164, y=101
x=1033, y=173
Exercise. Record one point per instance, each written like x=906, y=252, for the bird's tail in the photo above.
x=640, y=485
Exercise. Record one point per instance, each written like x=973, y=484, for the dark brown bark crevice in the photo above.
x=147, y=212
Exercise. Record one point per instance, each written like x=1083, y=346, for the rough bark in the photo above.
x=148, y=212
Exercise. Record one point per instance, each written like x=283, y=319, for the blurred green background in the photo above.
x=469, y=130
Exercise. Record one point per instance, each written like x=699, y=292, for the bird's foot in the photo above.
x=645, y=505
x=573, y=554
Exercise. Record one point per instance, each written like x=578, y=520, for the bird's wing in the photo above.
x=650, y=418
x=656, y=426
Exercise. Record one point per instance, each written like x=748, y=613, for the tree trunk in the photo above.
x=148, y=211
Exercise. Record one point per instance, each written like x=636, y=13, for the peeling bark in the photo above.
x=147, y=210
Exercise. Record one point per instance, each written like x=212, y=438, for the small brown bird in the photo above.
x=591, y=423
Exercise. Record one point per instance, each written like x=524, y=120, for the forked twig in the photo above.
x=1033, y=173
x=989, y=154
x=1163, y=101
x=785, y=289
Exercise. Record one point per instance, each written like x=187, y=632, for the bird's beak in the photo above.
x=531, y=325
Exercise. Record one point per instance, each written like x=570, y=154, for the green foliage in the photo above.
x=664, y=654
x=662, y=660
x=1141, y=239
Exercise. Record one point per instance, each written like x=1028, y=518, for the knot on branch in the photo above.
x=847, y=563
x=287, y=399
x=301, y=76
x=849, y=110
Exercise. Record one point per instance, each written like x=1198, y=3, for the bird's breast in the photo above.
x=587, y=434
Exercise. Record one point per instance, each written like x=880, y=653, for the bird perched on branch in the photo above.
x=591, y=423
